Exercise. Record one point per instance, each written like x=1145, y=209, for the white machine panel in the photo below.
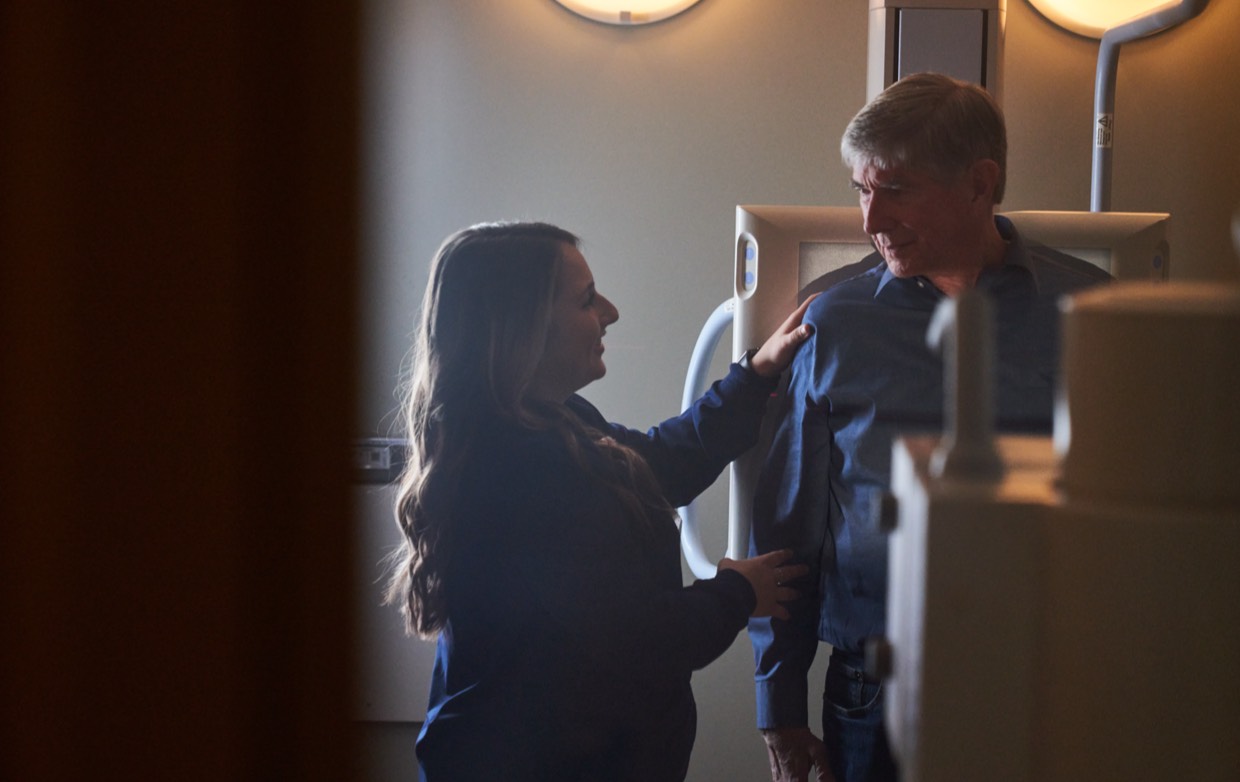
x=1073, y=615
x=947, y=41
x=1036, y=638
x=961, y=38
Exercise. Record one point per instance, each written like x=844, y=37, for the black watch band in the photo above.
x=746, y=360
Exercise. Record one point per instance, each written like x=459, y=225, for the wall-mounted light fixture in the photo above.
x=1114, y=22
x=627, y=12
x=1092, y=18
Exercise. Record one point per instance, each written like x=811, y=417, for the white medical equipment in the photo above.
x=784, y=253
x=1074, y=614
x=960, y=38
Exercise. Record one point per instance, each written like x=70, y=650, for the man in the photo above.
x=928, y=159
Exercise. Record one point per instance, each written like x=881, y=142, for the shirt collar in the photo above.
x=1015, y=259
x=1017, y=262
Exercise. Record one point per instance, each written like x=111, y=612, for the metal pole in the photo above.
x=1161, y=18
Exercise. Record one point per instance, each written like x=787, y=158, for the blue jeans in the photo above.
x=852, y=723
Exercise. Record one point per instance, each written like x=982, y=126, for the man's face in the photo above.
x=920, y=225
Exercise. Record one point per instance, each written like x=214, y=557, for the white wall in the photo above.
x=643, y=140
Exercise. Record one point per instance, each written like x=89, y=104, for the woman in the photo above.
x=539, y=539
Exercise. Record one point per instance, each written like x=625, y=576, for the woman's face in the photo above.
x=580, y=315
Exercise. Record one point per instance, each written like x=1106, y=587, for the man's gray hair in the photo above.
x=931, y=123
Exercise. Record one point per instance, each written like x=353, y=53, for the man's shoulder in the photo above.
x=848, y=278
x=856, y=281
x=851, y=305
x=1058, y=270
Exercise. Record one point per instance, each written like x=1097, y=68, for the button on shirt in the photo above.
x=864, y=378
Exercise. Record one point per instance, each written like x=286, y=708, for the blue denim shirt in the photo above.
x=864, y=378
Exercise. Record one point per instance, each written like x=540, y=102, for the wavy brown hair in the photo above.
x=482, y=332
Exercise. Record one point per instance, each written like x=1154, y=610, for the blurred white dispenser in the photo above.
x=1075, y=613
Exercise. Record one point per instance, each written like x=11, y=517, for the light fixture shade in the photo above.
x=626, y=12
x=1092, y=18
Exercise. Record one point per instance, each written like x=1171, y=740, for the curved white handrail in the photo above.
x=695, y=385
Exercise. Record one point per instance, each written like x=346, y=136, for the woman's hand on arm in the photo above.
x=776, y=353
x=767, y=574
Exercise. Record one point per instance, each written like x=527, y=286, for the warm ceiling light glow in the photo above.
x=1094, y=17
x=627, y=11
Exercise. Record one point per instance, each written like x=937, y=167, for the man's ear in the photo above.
x=984, y=179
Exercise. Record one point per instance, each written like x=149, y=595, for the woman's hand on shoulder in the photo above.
x=776, y=353
x=767, y=574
